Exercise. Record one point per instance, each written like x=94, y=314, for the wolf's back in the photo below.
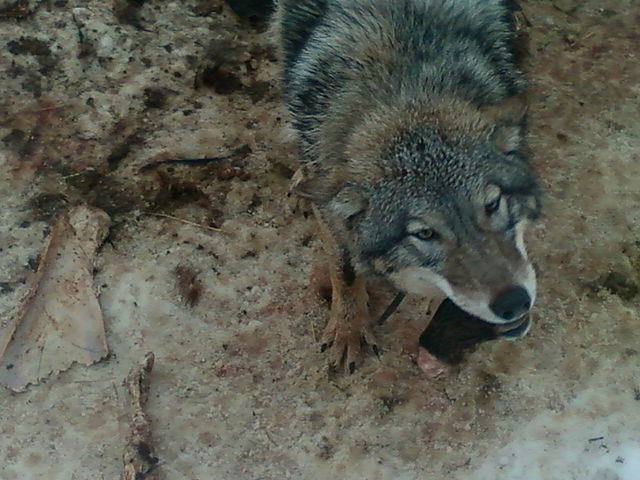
x=342, y=58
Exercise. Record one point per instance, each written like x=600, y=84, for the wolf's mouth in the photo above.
x=515, y=329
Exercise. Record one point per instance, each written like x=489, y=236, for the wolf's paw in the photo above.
x=346, y=338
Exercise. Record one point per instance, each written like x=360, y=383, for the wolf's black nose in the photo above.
x=511, y=304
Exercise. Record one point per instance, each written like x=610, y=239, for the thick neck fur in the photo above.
x=371, y=149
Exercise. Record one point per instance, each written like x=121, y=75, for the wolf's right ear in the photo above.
x=509, y=119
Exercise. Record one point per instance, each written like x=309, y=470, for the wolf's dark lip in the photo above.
x=504, y=326
x=514, y=329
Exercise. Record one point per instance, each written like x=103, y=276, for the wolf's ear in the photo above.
x=314, y=187
x=349, y=202
x=322, y=186
x=343, y=199
x=507, y=138
x=509, y=119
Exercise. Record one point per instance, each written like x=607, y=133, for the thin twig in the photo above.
x=186, y=222
x=77, y=174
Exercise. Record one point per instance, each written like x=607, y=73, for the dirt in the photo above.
x=167, y=115
x=19, y=9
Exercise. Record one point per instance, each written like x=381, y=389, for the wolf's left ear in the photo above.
x=509, y=119
x=350, y=201
x=319, y=187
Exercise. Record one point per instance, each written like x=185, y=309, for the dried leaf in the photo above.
x=60, y=321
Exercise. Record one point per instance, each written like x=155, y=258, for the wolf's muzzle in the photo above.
x=511, y=304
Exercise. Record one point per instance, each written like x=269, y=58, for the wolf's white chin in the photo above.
x=421, y=281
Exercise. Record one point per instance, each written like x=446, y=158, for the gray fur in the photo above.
x=409, y=116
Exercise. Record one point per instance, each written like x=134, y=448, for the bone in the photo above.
x=139, y=458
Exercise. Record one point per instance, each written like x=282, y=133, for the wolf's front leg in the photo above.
x=348, y=331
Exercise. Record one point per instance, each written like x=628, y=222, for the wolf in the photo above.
x=410, y=119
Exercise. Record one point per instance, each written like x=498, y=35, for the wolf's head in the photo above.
x=438, y=196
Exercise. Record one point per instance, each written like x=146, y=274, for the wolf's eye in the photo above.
x=493, y=206
x=426, y=234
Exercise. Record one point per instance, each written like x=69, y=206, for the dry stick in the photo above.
x=139, y=457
